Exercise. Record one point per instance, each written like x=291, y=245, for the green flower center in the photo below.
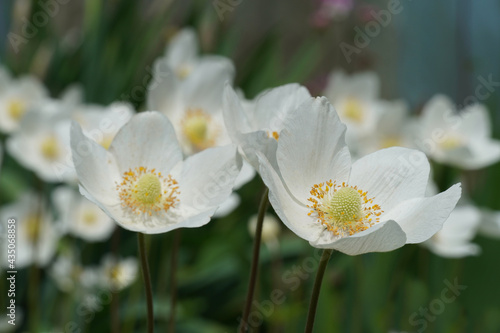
x=345, y=205
x=148, y=189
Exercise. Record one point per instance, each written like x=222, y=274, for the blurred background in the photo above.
x=108, y=48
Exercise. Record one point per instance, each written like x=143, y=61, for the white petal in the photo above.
x=392, y=175
x=147, y=140
x=311, y=148
x=484, y=153
x=207, y=180
x=382, y=237
x=163, y=90
x=183, y=49
x=235, y=118
x=228, y=206
x=438, y=113
x=292, y=213
x=475, y=121
x=95, y=167
x=421, y=218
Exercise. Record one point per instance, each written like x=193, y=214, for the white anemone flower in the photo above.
x=458, y=139
x=70, y=275
x=194, y=106
x=392, y=128
x=117, y=274
x=182, y=54
x=142, y=181
x=19, y=97
x=42, y=145
x=36, y=234
x=354, y=97
x=376, y=204
x=454, y=240
x=80, y=217
x=102, y=123
x=270, y=230
x=255, y=126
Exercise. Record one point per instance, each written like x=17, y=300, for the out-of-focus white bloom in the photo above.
x=182, y=54
x=37, y=237
x=142, y=182
x=80, y=217
x=392, y=128
x=255, y=126
x=354, y=97
x=490, y=223
x=102, y=123
x=376, y=204
x=454, y=240
x=117, y=274
x=42, y=145
x=16, y=99
x=194, y=106
x=462, y=140
x=70, y=275
x=270, y=229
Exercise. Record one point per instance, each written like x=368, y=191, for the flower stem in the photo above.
x=147, y=280
x=255, y=261
x=173, y=278
x=325, y=257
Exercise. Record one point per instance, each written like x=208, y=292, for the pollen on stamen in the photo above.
x=145, y=192
x=342, y=209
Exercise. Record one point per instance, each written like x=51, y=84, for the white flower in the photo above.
x=36, y=234
x=392, y=128
x=354, y=97
x=142, y=182
x=376, y=204
x=462, y=140
x=117, y=274
x=19, y=97
x=454, y=240
x=194, y=106
x=182, y=54
x=102, y=123
x=80, y=217
x=69, y=274
x=42, y=145
x=490, y=223
x=255, y=126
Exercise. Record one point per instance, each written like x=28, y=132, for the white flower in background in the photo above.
x=37, y=237
x=270, y=229
x=490, y=223
x=354, y=97
x=117, y=274
x=142, y=182
x=392, y=128
x=458, y=139
x=70, y=275
x=377, y=204
x=194, y=106
x=42, y=145
x=255, y=126
x=182, y=54
x=454, y=240
x=19, y=96
x=80, y=217
x=102, y=123
x=5, y=79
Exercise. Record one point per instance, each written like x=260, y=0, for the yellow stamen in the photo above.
x=50, y=148
x=16, y=109
x=198, y=128
x=353, y=110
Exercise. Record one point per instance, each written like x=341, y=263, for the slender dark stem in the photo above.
x=325, y=257
x=173, y=278
x=115, y=302
x=147, y=280
x=255, y=261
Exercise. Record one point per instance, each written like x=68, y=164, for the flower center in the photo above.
x=16, y=109
x=353, y=110
x=197, y=128
x=451, y=141
x=50, y=148
x=146, y=192
x=115, y=274
x=32, y=228
x=183, y=71
x=344, y=210
x=89, y=218
x=391, y=141
x=106, y=141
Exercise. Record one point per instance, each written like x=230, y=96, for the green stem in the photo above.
x=147, y=281
x=173, y=278
x=255, y=261
x=325, y=257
